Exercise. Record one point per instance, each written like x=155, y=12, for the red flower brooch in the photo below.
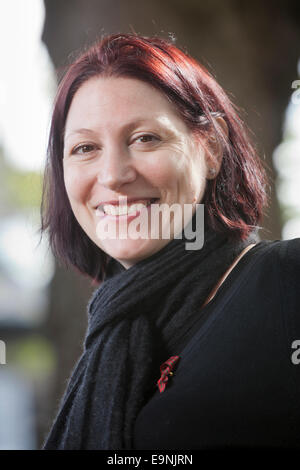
x=166, y=371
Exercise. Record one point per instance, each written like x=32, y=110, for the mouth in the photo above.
x=132, y=209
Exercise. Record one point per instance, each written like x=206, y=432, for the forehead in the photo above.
x=115, y=100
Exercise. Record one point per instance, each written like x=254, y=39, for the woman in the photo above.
x=186, y=347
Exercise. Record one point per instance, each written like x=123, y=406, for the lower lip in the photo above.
x=124, y=217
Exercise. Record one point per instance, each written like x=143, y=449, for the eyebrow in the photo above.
x=127, y=126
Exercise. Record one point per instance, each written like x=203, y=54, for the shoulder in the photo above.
x=285, y=254
x=275, y=266
x=285, y=258
x=289, y=255
x=289, y=266
x=278, y=262
x=288, y=270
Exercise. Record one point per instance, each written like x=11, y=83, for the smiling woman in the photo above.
x=139, y=126
x=112, y=97
x=136, y=145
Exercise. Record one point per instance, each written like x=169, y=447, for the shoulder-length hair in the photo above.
x=234, y=200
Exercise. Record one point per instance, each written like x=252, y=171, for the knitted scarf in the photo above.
x=135, y=318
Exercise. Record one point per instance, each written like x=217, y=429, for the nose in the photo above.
x=116, y=169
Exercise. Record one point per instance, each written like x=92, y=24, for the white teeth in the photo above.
x=110, y=209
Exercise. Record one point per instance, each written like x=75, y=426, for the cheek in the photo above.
x=197, y=179
x=175, y=173
x=164, y=170
x=75, y=184
x=187, y=173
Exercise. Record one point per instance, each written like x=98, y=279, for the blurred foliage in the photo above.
x=25, y=188
x=18, y=188
x=287, y=212
x=34, y=355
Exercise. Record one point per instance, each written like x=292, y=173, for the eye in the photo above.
x=86, y=148
x=147, y=136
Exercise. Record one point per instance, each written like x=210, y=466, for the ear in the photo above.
x=214, y=149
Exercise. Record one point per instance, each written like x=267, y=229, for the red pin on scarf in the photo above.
x=166, y=371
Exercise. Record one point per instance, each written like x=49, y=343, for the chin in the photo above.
x=130, y=252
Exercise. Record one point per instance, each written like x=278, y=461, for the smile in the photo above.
x=125, y=210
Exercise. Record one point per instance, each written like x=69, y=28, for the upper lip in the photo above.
x=124, y=201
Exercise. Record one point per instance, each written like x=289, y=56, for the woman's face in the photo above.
x=123, y=138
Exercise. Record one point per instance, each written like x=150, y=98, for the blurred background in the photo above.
x=252, y=48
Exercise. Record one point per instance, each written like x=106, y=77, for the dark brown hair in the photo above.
x=234, y=200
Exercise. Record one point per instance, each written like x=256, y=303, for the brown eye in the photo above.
x=86, y=148
x=147, y=137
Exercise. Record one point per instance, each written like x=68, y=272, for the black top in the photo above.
x=235, y=384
